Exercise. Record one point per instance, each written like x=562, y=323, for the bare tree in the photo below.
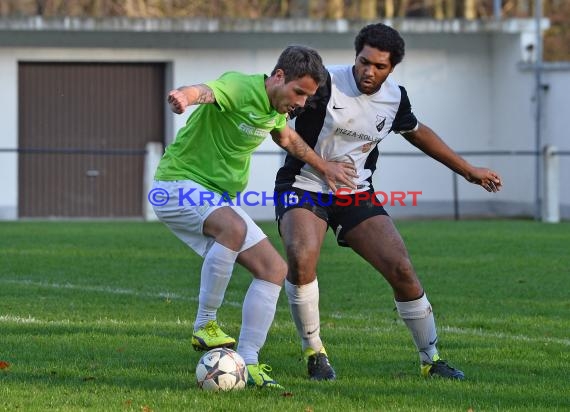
x=438, y=12
x=298, y=8
x=522, y=7
x=368, y=9
x=389, y=8
x=470, y=11
x=403, y=8
x=5, y=7
x=283, y=8
x=450, y=9
x=335, y=9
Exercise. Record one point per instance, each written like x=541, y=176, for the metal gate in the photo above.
x=83, y=128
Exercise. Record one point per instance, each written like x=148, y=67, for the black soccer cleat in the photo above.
x=318, y=365
x=442, y=369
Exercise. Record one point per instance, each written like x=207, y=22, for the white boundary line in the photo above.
x=109, y=290
x=102, y=289
x=171, y=295
x=102, y=322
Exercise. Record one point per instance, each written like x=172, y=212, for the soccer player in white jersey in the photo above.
x=203, y=170
x=357, y=107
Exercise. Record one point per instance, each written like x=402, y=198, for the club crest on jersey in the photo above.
x=380, y=122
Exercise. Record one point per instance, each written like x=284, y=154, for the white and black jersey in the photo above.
x=342, y=124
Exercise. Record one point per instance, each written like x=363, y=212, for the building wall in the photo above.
x=555, y=110
x=512, y=92
x=466, y=86
x=9, y=135
x=445, y=77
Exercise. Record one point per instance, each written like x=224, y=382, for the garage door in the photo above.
x=83, y=128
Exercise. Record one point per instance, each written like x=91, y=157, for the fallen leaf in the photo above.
x=4, y=364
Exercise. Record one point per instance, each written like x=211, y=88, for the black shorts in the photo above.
x=342, y=212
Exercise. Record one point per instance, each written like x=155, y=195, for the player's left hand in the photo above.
x=486, y=178
x=340, y=173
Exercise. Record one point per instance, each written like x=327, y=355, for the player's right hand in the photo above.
x=178, y=101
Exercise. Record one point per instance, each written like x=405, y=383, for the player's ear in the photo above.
x=279, y=74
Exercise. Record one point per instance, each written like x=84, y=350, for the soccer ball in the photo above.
x=221, y=369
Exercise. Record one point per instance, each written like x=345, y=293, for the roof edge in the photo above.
x=290, y=25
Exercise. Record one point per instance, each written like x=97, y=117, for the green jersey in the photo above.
x=214, y=147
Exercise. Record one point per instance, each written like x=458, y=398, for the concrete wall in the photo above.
x=468, y=86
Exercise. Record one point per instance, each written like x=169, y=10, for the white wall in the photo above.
x=8, y=136
x=513, y=115
x=445, y=79
x=556, y=130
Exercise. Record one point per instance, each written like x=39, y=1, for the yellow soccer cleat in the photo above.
x=210, y=336
x=257, y=376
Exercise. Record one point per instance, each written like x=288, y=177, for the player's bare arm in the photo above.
x=431, y=144
x=179, y=99
x=333, y=172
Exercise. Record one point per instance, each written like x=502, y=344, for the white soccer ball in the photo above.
x=221, y=369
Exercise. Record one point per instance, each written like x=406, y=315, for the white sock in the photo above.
x=216, y=273
x=257, y=316
x=418, y=317
x=304, y=306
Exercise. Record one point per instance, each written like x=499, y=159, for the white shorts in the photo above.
x=184, y=206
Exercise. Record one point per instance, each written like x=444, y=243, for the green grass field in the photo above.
x=97, y=316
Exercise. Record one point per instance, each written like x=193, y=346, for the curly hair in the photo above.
x=383, y=38
x=298, y=61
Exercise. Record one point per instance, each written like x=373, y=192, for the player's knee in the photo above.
x=405, y=282
x=232, y=232
x=405, y=270
x=400, y=272
x=273, y=271
x=302, y=266
x=301, y=275
x=264, y=262
x=280, y=268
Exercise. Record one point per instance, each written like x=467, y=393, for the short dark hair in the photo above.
x=383, y=38
x=298, y=61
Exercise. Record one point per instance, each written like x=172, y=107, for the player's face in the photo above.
x=371, y=68
x=288, y=96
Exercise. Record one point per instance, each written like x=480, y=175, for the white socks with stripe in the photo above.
x=216, y=273
x=418, y=317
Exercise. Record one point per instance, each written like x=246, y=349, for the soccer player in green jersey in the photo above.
x=206, y=167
